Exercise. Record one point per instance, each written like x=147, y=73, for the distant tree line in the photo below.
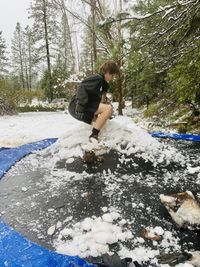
x=154, y=42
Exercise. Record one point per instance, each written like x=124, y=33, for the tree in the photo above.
x=161, y=33
x=18, y=54
x=65, y=43
x=3, y=58
x=168, y=29
x=45, y=29
x=106, y=41
x=31, y=58
x=86, y=63
x=184, y=79
x=114, y=39
x=94, y=39
x=25, y=57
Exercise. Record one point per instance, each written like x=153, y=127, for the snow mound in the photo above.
x=120, y=134
x=92, y=236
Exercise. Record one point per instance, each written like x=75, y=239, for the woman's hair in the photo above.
x=109, y=66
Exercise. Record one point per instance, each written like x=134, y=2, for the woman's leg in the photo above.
x=104, y=112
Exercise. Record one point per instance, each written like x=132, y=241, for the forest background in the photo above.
x=154, y=42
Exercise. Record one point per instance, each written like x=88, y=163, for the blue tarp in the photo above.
x=17, y=251
x=187, y=137
x=9, y=156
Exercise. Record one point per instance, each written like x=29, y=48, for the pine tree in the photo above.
x=3, y=58
x=167, y=28
x=45, y=30
x=64, y=42
x=18, y=52
x=31, y=57
x=86, y=64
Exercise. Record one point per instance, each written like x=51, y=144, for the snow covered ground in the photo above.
x=93, y=235
x=33, y=126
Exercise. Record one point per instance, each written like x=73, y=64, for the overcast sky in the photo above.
x=11, y=12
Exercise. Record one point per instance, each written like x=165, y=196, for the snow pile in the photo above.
x=140, y=252
x=122, y=135
x=92, y=236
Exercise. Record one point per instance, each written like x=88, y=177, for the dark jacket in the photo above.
x=88, y=97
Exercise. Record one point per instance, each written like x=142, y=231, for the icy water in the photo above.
x=33, y=199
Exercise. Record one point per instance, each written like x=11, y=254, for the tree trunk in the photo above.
x=21, y=63
x=26, y=72
x=132, y=100
x=120, y=79
x=50, y=86
x=67, y=37
x=120, y=91
x=147, y=101
x=29, y=63
x=77, y=52
x=94, y=45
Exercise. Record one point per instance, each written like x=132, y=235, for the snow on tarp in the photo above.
x=188, y=137
x=17, y=251
x=9, y=156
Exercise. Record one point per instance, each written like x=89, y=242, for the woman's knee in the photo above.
x=105, y=108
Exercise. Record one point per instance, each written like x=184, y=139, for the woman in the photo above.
x=86, y=104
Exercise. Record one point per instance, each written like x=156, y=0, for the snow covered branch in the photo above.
x=166, y=10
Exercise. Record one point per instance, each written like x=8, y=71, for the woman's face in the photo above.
x=108, y=77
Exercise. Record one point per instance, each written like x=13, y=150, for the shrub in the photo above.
x=35, y=108
x=152, y=110
x=8, y=100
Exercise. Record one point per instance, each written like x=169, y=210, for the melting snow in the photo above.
x=94, y=235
